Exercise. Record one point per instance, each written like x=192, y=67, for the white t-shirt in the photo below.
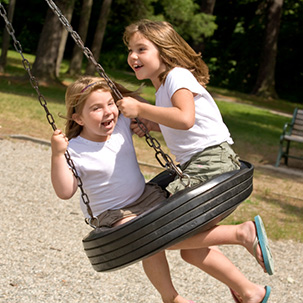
x=109, y=170
x=209, y=128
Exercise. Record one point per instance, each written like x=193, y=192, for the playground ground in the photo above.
x=42, y=259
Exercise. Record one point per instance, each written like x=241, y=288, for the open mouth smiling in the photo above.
x=137, y=66
x=107, y=123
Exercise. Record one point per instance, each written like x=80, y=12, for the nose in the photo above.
x=133, y=56
x=107, y=110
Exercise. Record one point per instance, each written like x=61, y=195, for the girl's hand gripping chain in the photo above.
x=59, y=143
x=129, y=107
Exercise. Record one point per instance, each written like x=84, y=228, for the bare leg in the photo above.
x=124, y=220
x=243, y=234
x=214, y=263
x=157, y=270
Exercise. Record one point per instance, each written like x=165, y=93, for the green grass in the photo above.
x=273, y=104
x=254, y=124
x=243, y=119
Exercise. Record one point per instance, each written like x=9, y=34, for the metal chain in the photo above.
x=151, y=141
x=43, y=103
x=86, y=51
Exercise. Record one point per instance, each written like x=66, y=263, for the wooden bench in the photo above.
x=292, y=131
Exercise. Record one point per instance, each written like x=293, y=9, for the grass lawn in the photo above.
x=255, y=125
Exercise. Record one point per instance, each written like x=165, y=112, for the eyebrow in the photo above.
x=99, y=103
x=138, y=44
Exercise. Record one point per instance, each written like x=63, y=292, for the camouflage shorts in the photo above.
x=205, y=165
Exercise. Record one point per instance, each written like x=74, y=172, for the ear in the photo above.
x=77, y=119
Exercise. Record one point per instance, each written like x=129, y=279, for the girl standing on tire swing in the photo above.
x=195, y=133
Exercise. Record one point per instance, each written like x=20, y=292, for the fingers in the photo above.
x=136, y=129
x=57, y=132
x=128, y=107
x=59, y=142
x=122, y=108
x=120, y=105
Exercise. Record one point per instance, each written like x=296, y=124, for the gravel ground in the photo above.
x=42, y=259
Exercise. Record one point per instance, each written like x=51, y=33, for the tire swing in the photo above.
x=184, y=214
x=180, y=216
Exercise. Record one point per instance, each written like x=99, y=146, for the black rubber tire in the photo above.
x=182, y=215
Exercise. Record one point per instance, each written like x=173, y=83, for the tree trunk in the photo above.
x=44, y=67
x=6, y=37
x=99, y=35
x=68, y=15
x=77, y=56
x=265, y=84
x=206, y=7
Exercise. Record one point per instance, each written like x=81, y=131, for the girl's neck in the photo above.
x=157, y=84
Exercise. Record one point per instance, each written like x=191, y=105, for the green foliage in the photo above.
x=237, y=57
x=28, y=21
x=232, y=37
x=179, y=9
x=200, y=26
x=188, y=22
x=233, y=52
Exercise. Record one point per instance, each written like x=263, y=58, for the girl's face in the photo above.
x=99, y=116
x=144, y=59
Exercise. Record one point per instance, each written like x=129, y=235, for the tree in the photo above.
x=6, y=38
x=187, y=20
x=77, y=55
x=68, y=15
x=265, y=84
x=99, y=35
x=44, y=67
x=206, y=7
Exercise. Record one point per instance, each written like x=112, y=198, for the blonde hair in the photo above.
x=173, y=49
x=76, y=95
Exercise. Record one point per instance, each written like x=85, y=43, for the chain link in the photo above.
x=86, y=51
x=163, y=158
x=43, y=103
x=152, y=142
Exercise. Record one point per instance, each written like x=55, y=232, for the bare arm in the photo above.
x=180, y=116
x=63, y=180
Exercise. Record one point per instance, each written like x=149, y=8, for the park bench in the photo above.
x=292, y=131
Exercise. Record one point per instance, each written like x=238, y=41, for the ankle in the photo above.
x=254, y=295
x=176, y=299
x=170, y=299
x=245, y=232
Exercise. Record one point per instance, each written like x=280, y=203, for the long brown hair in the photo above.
x=76, y=95
x=173, y=49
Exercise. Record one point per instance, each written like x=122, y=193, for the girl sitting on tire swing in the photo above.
x=99, y=141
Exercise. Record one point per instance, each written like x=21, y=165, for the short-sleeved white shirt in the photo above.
x=109, y=170
x=209, y=128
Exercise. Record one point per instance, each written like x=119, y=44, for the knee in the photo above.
x=186, y=255
x=194, y=256
x=153, y=258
